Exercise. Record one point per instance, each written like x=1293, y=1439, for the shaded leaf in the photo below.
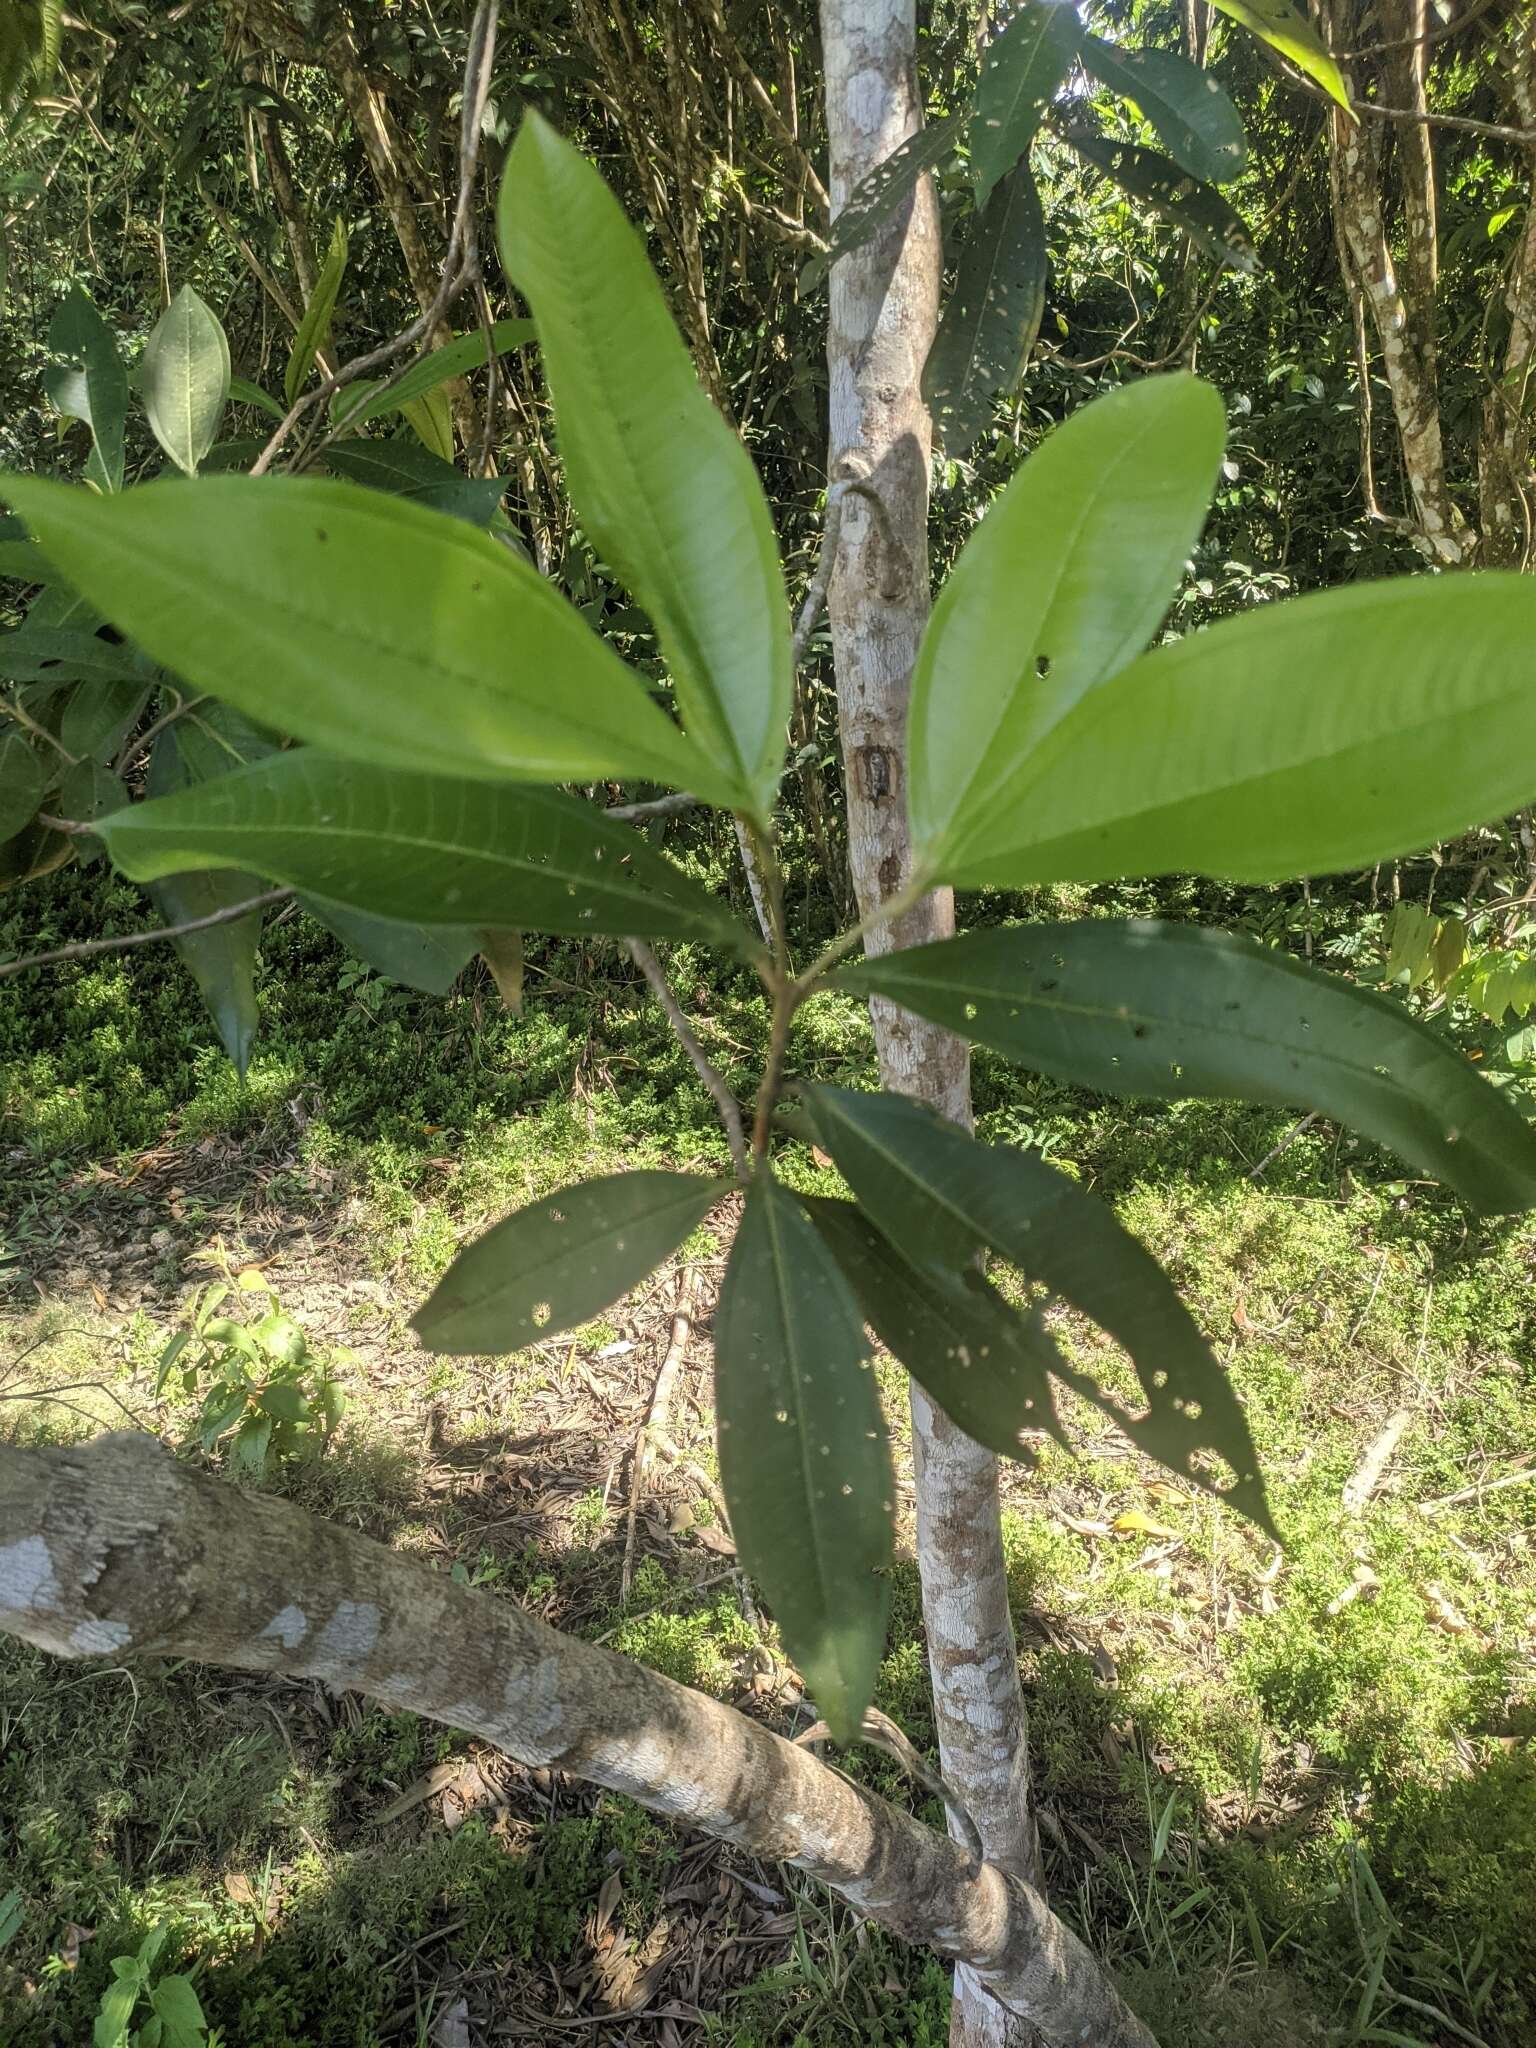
x=455, y=358
x=993, y=315
x=431, y=421
x=662, y=484
x=1063, y=581
x=1185, y=202
x=314, y=335
x=881, y=194
x=341, y=614
x=1194, y=119
x=930, y=1187
x=1288, y=30
x=244, y=392
x=180, y=2015
x=62, y=654
x=1169, y=1010
x=804, y=1460
x=89, y=383
x=423, y=849
x=426, y=957
x=1021, y=72
x=22, y=783
x=98, y=717
x=1326, y=733
x=408, y=470
x=184, y=380
x=562, y=1260
x=502, y=952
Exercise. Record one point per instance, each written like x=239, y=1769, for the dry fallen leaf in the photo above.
x=1134, y=1523
x=1364, y=1582
x=1442, y=1610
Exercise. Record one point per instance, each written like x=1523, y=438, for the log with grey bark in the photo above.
x=115, y=1548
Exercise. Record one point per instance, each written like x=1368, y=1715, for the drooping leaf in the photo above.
x=184, y=379
x=1021, y=73
x=880, y=195
x=243, y=392
x=1323, y=734
x=222, y=958
x=1063, y=581
x=1287, y=30
x=993, y=315
x=502, y=953
x=986, y=1363
x=409, y=470
x=562, y=1260
x=422, y=849
x=430, y=419
x=1195, y=121
x=1199, y=209
x=662, y=485
x=314, y=335
x=22, y=783
x=1170, y=1010
x=804, y=1460
x=89, y=383
x=931, y=1188
x=426, y=957
x=455, y=358
x=362, y=622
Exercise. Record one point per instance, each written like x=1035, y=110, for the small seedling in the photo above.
x=175, y=2018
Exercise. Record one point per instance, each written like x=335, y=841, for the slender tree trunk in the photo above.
x=116, y=1548
x=1505, y=471
x=884, y=309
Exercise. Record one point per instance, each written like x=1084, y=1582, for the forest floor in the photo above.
x=1290, y=1794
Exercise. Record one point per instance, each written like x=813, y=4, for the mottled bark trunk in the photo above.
x=1507, y=485
x=884, y=309
x=115, y=1548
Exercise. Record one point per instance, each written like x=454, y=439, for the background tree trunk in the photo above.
x=884, y=310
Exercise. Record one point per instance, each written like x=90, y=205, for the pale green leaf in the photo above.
x=1286, y=29
x=314, y=335
x=184, y=379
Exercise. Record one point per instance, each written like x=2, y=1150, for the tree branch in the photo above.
x=709, y=1074
x=87, y=949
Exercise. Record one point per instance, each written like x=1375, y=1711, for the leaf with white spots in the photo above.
x=803, y=1454
x=881, y=194
x=993, y=315
x=562, y=1260
x=1194, y=119
x=1021, y=71
x=1184, y=202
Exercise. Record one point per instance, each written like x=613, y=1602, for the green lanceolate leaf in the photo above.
x=803, y=1455
x=408, y=470
x=184, y=379
x=879, y=197
x=662, y=485
x=362, y=622
x=243, y=392
x=1195, y=121
x=314, y=335
x=89, y=383
x=430, y=419
x=1287, y=30
x=932, y=1189
x=222, y=958
x=993, y=315
x=1198, y=209
x=1063, y=582
x=986, y=1364
x=422, y=849
x=455, y=358
x=63, y=654
x=1304, y=738
x=426, y=957
x=22, y=783
x=562, y=1260
x=1169, y=1010
x=1021, y=73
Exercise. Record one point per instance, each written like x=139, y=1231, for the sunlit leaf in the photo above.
x=1194, y=119
x=314, y=335
x=455, y=358
x=1286, y=29
x=1198, y=209
x=1022, y=70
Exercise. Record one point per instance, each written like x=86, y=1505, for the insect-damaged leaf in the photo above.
x=422, y=849
x=1185, y=202
x=1021, y=71
x=562, y=1260
x=1194, y=119
x=993, y=314
x=1170, y=1010
x=803, y=1454
x=935, y=1193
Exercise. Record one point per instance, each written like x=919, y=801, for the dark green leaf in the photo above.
x=1169, y=1010
x=1021, y=72
x=1285, y=29
x=880, y=196
x=562, y=1260
x=89, y=383
x=314, y=335
x=1322, y=734
x=47, y=654
x=803, y=1454
x=184, y=379
x=1195, y=121
x=422, y=849
x=1183, y=201
x=244, y=392
x=411, y=471
x=359, y=621
x=932, y=1189
x=22, y=783
x=986, y=1364
x=662, y=484
x=993, y=315
x=426, y=957
x=1063, y=582
x=89, y=792
x=455, y=358
x=98, y=717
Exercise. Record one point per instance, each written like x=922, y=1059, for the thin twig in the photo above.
x=821, y=582
x=655, y=807
x=655, y=1422
x=87, y=949
x=135, y=749
x=1483, y=1486
x=1463, y=122
x=713, y=1079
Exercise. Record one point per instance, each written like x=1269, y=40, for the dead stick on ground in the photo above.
x=656, y=1419
x=1367, y=1475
